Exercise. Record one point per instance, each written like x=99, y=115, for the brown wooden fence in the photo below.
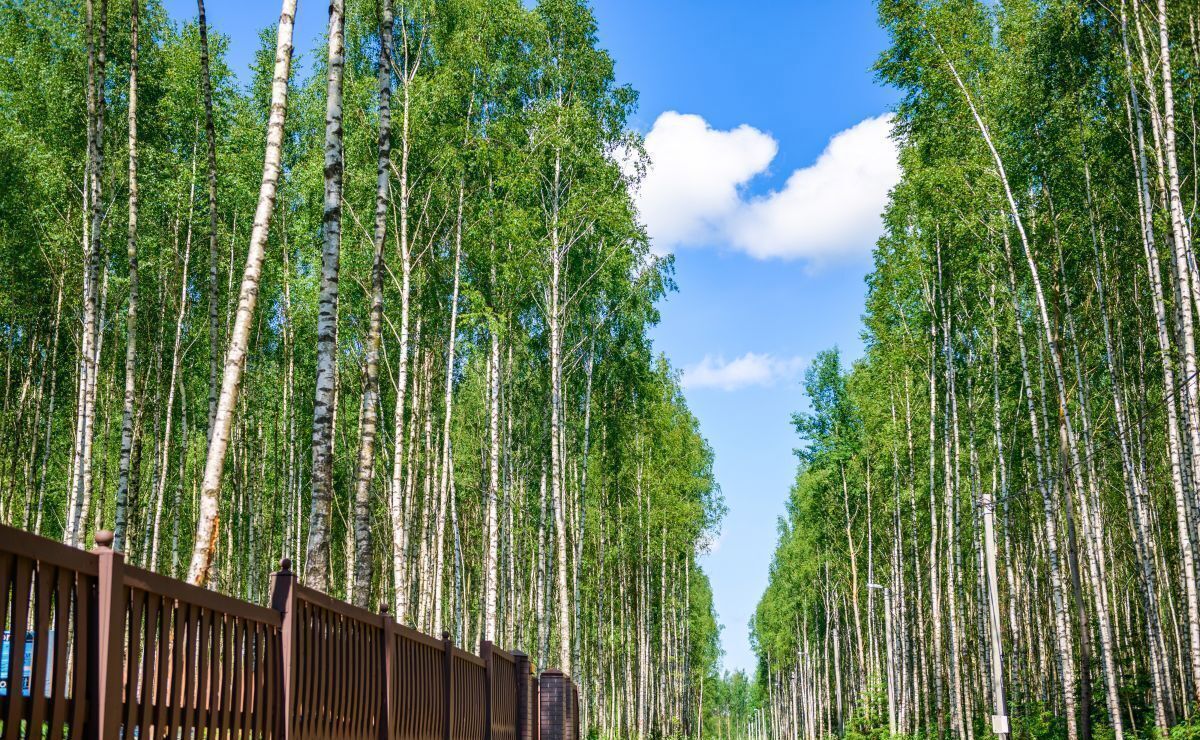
x=94, y=648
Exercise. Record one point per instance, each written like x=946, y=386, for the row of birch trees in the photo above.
x=995, y=522
x=382, y=309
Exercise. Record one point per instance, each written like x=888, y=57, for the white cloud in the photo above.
x=831, y=208
x=750, y=369
x=694, y=192
x=691, y=187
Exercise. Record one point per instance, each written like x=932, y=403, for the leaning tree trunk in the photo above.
x=1181, y=245
x=131, y=316
x=235, y=359
x=317, y=571
x=370, y=404
x=1076, y=467
x=1062, y=629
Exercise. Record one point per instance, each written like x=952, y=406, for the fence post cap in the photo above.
x=285, y=565
x=384, y=608
x=446, y=635
x=104, y=539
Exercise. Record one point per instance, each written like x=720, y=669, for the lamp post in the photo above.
x=887, y=636
x=1000, y=718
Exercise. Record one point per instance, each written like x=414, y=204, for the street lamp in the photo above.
x=1000, y=724
x=891, y=683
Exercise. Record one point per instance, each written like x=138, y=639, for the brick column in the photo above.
x=557, y=706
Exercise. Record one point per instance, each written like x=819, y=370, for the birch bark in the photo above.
x=317, y=572
x=235, y=359
x=127, y=408
x=370, y=405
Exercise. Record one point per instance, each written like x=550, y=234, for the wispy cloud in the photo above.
x=693, y=193
x=751, y=369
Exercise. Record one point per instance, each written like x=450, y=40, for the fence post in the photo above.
x=485, y=652
x=283, y=601
x=389, y=668
x=526, y=703
x=110, y=636
x=448, y=714
x=558, y=706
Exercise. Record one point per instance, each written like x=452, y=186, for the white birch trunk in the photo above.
x=235, y=359
x=317, y=572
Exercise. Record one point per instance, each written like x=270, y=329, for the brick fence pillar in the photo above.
x=557, y=706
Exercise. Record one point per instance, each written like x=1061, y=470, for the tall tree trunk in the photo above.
x=1181, y=246
x=1062, y=629
x=131, y=315
x=400, y=528
x=81, y=488
x=160, y=484
x=214, y=326
x=557, y=257
x=235, y=358
x=366, y=449
x=447, y=472
x=493, y=486
x=317, y=572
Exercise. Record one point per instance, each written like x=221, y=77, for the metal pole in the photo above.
x=891, y=665
x=1000, y=724
x=891, y=674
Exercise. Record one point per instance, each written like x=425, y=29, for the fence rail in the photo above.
x=94, y=648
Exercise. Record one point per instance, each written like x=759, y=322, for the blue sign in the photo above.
x=27, y=663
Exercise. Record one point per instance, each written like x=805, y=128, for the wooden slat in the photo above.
x=164, y=652
x=84, y=603
x=186, y=718
x=7, y=564
x=47, y=576
x=133, y=656
x=175, y=676
x=237, y=696
x=64, y=626
x=149, y=659
x=224, y=722
x=259, y=707
x=215, y=675
x=16, y=645
x=203, y=669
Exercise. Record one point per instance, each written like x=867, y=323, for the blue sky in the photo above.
x=800, y=71
x=770, y=223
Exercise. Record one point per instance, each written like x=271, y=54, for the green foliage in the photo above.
x=1036, y=721
x=1026, y=332
x=869, y=720
x=1186, y=730
x=500, y=106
